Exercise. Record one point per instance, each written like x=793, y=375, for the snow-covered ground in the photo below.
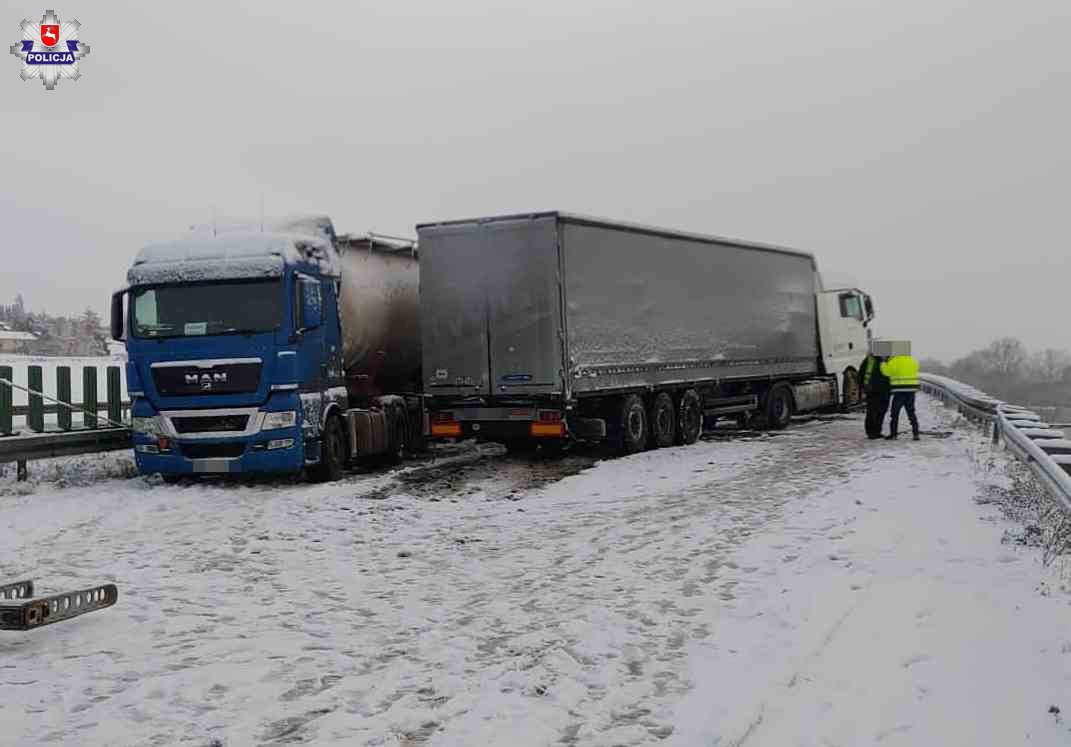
x=811, y=588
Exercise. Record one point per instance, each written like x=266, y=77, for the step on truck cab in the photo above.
x=550, y=327
x=254, y=352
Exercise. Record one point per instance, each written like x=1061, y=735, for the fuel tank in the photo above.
x=379, y=306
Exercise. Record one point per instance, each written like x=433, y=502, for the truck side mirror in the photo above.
x=118, y=321
x=310, y=304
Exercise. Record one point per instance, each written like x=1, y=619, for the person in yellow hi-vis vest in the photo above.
x=903, y=373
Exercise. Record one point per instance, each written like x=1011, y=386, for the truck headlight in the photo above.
x=275, y=420
x=150, y=426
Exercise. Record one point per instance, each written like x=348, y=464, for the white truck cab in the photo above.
x=844, y=316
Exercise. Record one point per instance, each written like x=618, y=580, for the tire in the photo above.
x=395, y=437
x=853, y=394
x=662, y=420
x=418, y=441
x=332, y=453
x=689, y=418
x=778, y=408
x=173, y=479
x=632, y=424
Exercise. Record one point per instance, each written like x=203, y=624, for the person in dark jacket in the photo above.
x=876, y=385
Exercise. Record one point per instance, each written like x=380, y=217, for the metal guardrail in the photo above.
x=64, y=443
x=1038, y=444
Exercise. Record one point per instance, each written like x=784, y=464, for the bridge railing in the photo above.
x=1040, y=446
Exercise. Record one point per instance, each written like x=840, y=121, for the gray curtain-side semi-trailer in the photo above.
x=555, y=326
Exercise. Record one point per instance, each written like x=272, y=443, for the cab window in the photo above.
x=850, y=308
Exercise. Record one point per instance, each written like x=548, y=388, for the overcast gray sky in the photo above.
x=920, y=146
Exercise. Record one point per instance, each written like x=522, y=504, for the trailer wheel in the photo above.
x=632, y=421
x=779, y=406
x=662, y=421
x=689, y=418
x=332, y=453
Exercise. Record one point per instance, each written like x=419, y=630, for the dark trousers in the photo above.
x=877, y=404
x=906, y=401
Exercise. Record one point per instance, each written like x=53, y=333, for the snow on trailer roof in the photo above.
x=588, y=220
x=377, y=242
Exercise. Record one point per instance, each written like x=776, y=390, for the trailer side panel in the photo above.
x=646, y=309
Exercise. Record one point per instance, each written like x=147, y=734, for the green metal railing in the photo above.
x=38, y=439
x=60, y=404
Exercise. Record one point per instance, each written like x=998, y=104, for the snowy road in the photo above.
x=811, y=588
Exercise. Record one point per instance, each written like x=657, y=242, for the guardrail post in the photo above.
x=35, y=383
x=63, y=394
x=6, y=402
x=89, y=396
x=115, y=395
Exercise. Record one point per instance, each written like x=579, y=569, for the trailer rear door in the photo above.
x=453, y=311
x=491, y=307
x=524, y=306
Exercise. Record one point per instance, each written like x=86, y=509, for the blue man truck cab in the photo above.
x=278, y=352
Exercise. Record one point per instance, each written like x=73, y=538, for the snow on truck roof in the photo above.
x=238, y=254
x=587, y=220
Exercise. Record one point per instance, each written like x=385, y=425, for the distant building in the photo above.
x=14, y=342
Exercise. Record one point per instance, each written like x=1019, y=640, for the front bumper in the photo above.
x=224, y=456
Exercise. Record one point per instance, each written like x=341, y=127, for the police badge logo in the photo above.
x=50, y=50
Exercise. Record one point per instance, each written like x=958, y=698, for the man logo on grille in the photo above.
x=205, y=380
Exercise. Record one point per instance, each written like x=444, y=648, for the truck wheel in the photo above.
x=397, y=428
x=332, y=453
x=852, y=394
x=689, y=418
x=662, y=420
x=778, y=407
x=632, y=421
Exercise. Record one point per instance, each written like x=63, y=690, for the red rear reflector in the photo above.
x=550, y=430
x=550, y=416
x=443, y=417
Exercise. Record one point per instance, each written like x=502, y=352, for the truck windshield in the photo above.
x=207, y=308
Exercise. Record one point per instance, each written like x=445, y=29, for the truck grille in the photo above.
x=210, y=423
x=212, y=451
x=224, y=378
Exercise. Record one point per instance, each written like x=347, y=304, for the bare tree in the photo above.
x=90, y=322
x=1049, y=364
x=1006, y=356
